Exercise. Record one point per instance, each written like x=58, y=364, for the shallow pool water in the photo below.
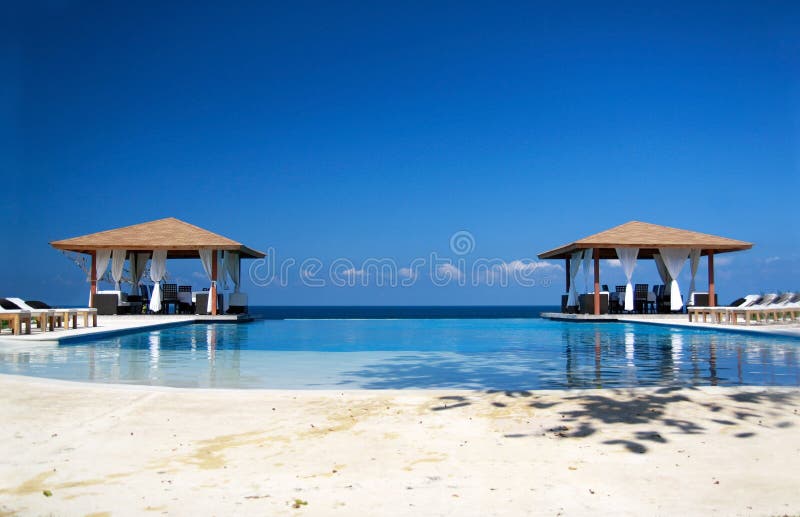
x=508, y=354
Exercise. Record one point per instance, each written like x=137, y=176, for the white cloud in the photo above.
x=449, y=270
x=770, y=260
x=407, y=272
x=614, y=263
x=528, y=266
x=201, y=276
x=520, y=270
x=723, y=261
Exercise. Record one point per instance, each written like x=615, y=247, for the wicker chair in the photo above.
x=586, y=303
x=106, y=304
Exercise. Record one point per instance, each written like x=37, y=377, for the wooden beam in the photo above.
x=213, y=292
x=92, y=277
x=567, y=270
x=711, y=295
x=597, y=281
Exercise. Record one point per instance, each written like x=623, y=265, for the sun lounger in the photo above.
x=758, y=310
x=15, y=320
x=718, y=314
x=69, y=313
x=779, y=309
x=55, y=318
x=42, y=317
x=791, y=310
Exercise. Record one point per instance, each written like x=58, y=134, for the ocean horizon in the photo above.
x=399, y=311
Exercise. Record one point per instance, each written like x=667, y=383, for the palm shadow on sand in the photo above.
x=583, y=413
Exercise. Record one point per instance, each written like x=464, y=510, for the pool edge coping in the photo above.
x=793, y=332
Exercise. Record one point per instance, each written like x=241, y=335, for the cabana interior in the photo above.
x=670, y=248
x=158, y=241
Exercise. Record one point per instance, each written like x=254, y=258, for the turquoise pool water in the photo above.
x=507, y=354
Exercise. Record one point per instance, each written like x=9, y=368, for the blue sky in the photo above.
x=372, y=130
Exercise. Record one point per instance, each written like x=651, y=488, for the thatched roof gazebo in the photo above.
x=161, y=239
x=670, y=247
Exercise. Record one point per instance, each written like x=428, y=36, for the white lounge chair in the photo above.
x=15, y=319
x=719, y=313
x=68, y=313
x=42, y=317
x=785, y=305
x=791, y=309
x=757, y=310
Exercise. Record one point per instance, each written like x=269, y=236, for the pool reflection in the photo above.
x=472, y=354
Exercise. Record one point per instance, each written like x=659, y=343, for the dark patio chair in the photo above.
x=662, y=298
x=640, y=302
x=185, y=307
x=616, y=303
x=169, y=296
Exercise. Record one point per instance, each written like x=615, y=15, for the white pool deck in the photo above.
x=110, y=325
x=680, y=320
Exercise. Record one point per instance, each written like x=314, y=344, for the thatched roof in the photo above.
x=183, y=240
x=648, y=238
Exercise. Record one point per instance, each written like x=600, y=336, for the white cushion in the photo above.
x=122, y=298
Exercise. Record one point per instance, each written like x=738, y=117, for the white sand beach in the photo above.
x=83, y=449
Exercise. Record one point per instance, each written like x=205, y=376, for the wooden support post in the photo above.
x=596, y=281
x=567, y=270
x=711, y=295
x=92, y=277
x=213, y=292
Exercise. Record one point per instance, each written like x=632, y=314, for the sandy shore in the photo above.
x=116, y=450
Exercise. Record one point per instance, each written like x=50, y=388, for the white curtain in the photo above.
x=674, y=258
x=207, y=259
x=232, y=267
x=138, y=261
x=627, y=258
x=101, y=259
x=158, y=268
x=694, y=262
x=662, y=269
x=206, y=255
x=117, y=264
x=574, y=266
x=587, y=264
x=222, y=280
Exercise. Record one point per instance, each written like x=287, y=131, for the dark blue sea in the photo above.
x=400, y=312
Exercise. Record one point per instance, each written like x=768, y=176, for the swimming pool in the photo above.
x=504, y=354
